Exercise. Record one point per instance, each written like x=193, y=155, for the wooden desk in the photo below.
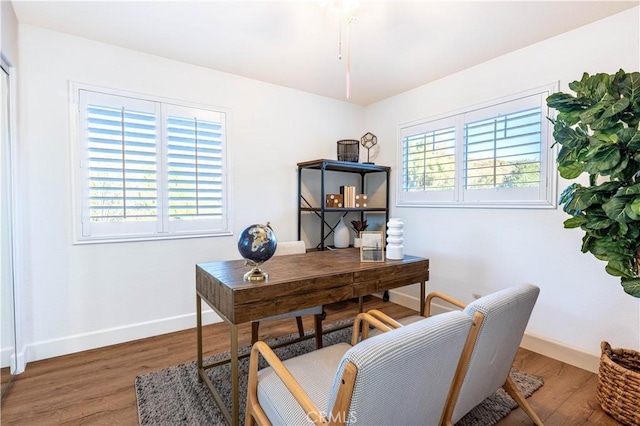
x=295, y=282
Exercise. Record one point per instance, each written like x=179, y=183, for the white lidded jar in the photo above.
x=395, y=232
x=341, y=235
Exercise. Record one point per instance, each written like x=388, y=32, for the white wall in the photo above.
x=83, y=296
x=482, y=250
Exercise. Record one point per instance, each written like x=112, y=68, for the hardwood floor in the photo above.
x=96, y=387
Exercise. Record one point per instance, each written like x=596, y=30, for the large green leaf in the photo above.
x=604, y=157
x=595, y=224
x=589, y=115
x=574, y=222
x=570, y=117
x=587, y=242
x=630, y=213
x=607, y=187
x=616, y=108
x=623, y=229
x=629, y=190
x=609, y=135
x=603, y=123
x=583, y=198
x=614, y=208
x=630, y=87
x=593, y=87
x=618, y=269
x=630, y=137
x=565, y=102
x=571, y=170
x=578, y=85
x=614, y=252
x=565, y=135
x=618, y=170
x=635, y=206
x=632, y=286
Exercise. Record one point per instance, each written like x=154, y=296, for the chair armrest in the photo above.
x=386, y=319
x=261, y=348
x=446, y=298
x=362, y=323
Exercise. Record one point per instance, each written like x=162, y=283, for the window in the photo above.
x=493, y=155
x=148, y=168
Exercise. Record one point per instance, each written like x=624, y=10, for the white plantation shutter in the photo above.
x=503, y=151
x=497, y=154
x=429, y=161
x=195, y=167
x=149, y=168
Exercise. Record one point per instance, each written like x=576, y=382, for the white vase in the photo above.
x=395, y=232
x=341, y=235
x=356, y=242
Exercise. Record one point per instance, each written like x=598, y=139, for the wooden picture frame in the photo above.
x=371, y=246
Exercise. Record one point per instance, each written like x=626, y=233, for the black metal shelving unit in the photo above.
x=330, y=166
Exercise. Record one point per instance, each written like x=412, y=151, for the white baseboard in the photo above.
x=82, y=342
x=561, y=352
x=538, y=344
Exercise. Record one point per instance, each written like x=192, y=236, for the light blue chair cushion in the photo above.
x=314, y=372
x=403, y=375
x=506, y=314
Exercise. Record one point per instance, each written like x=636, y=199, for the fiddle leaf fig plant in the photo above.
x=598, y=130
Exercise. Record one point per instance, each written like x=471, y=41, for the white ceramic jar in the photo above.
x=395, y=240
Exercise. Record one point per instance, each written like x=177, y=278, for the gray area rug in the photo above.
x=173, y=396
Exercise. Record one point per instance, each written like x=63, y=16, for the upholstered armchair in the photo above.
x=504, y=316
x=285, y=248
x=402, y=376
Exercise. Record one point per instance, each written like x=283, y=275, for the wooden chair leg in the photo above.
x=318, y=328
x=518, y=397
x=300, y=326
x=255, y=326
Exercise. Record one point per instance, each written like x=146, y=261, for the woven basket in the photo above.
x=618, y=387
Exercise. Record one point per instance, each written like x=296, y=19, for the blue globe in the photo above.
x=257, y=243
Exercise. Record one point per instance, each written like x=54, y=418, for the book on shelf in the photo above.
x=348, y=196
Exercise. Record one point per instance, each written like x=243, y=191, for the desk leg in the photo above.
x=235, y=401
x=199, y=333
x=422, y=296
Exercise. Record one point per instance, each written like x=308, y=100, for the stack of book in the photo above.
x=348, y=196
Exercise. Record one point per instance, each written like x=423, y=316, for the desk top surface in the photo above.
x=301, y=281
x=297, y=267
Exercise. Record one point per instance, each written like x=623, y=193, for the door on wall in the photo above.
x=7, y=307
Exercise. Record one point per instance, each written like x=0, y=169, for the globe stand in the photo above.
x=256, y=274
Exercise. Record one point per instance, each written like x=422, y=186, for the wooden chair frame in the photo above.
x=509, y=386
x=317, y=322
x=339, y=414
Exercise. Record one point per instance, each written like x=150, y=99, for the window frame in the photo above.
x=159, y=228
x=539, y=197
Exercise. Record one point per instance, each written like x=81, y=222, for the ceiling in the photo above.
x=394, y=45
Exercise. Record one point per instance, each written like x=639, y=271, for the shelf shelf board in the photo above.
x=343, y=166
x=344, y=209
